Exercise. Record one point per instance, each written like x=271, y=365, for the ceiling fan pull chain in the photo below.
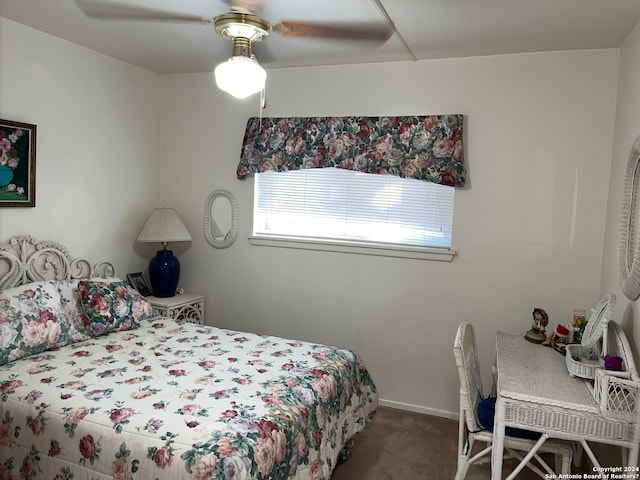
x=263, y=105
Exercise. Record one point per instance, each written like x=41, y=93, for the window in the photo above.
x=342, y=206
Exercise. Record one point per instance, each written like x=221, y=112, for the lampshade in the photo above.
x=164, y=226
x=240, y=76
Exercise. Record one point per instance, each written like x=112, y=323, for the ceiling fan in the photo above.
x=241, y=75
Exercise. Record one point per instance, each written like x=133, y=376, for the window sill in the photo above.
x=381, y=250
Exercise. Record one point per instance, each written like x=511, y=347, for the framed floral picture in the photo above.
x=17, y=164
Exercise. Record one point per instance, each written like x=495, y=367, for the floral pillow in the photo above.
x=72, y=305
x=31, y=321
x=112, y=305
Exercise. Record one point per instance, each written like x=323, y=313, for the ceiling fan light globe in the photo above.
x=240, y=76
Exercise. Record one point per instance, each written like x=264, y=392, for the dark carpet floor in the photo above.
x=401, y=445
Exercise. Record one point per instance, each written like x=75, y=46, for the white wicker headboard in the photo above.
x=23, y=259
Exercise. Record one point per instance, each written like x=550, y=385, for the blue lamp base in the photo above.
x=164, y=273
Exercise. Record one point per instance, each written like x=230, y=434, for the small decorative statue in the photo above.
x=559, y=335
x=579, y=322
x=537, y=333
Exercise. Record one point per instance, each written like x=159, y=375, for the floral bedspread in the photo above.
x=182, y=401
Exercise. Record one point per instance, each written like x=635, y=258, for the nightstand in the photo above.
x=188, y=307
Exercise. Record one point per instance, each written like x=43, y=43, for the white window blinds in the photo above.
x=343, y=205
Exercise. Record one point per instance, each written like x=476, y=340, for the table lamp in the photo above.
x=164, y=226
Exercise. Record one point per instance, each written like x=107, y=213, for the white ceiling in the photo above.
x=425, y=29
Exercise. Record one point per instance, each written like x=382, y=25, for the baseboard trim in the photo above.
x=418, y=409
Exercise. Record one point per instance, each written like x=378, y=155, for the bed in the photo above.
x=94, y=384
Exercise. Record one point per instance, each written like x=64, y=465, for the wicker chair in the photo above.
x=471, y=430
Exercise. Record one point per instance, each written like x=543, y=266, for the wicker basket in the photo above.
x=583, y=359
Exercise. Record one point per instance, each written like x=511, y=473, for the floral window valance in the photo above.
x=425, y=148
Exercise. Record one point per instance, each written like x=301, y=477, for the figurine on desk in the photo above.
x=537, y=332
x=559, y=335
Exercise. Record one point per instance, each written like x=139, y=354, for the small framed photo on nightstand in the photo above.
x=136, y=280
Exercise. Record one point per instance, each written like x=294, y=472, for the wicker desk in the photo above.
x=535, y=392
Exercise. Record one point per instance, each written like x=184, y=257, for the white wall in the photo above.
x=528, y=229
x=627, y=128
x=98, y=144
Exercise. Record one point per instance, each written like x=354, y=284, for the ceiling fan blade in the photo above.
x=245, y=6
x=375, y=32
x=120, y=11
